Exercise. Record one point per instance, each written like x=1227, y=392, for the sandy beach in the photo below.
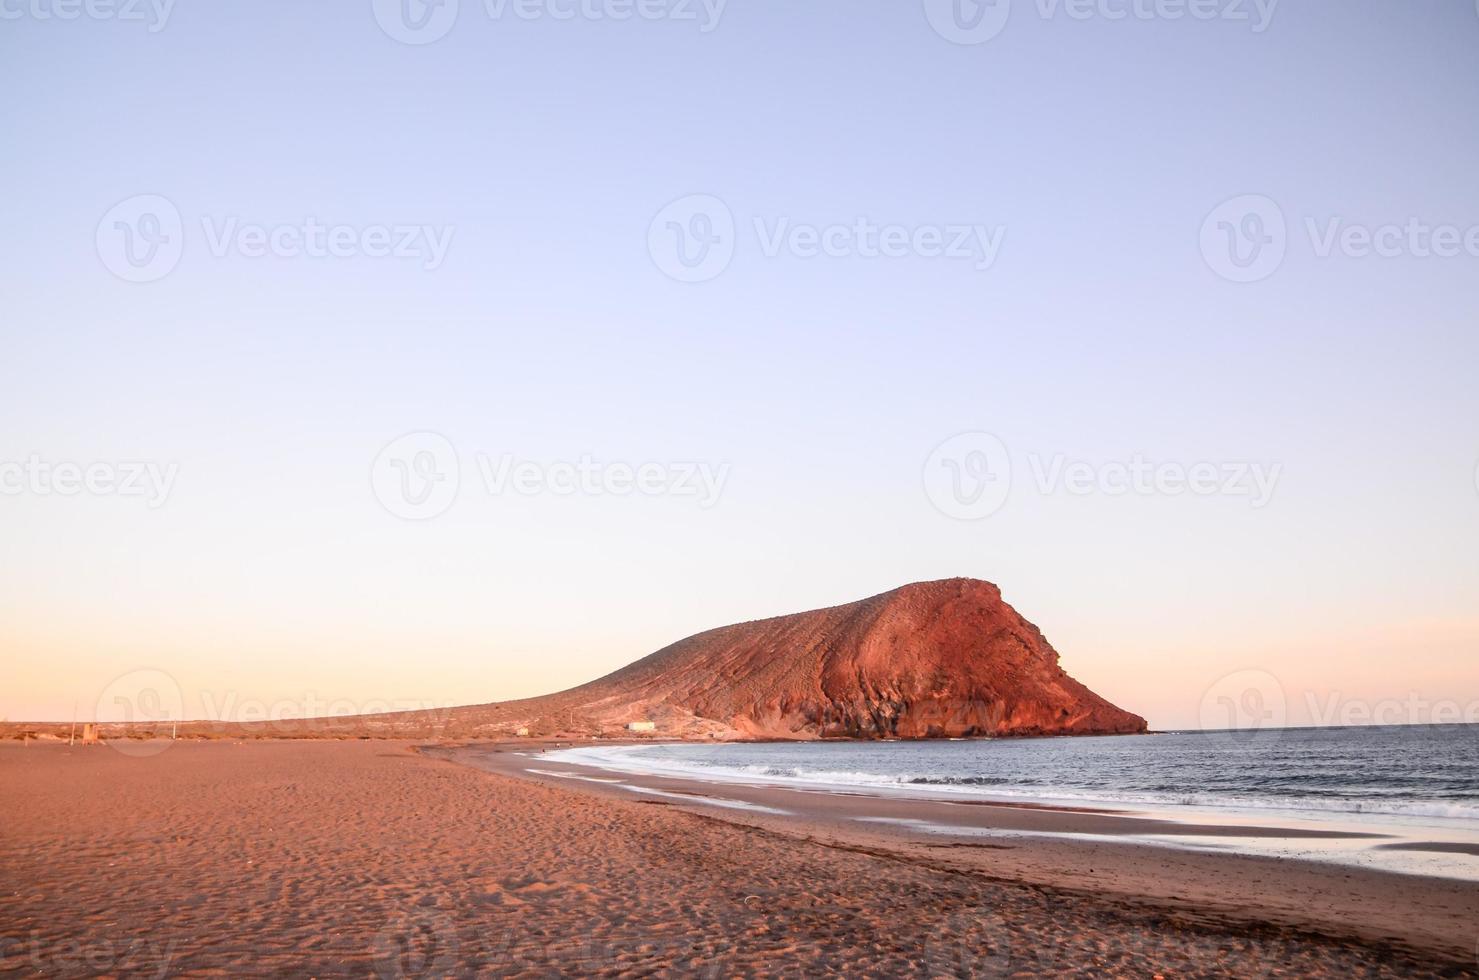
x=367, y=858
x=1135, y=855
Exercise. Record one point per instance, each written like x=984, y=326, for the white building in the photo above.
x=641, y=726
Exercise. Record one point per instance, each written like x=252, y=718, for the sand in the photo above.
x=1100, y=852
x=366, y=858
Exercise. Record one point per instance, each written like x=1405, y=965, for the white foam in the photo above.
x=625, y=758
x=571, y=775
x=706, y=800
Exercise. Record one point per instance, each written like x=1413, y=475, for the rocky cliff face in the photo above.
x=929, y=660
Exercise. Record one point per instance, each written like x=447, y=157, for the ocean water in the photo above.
x=1429, y=771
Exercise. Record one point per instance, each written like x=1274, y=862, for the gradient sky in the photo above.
x=272, y=573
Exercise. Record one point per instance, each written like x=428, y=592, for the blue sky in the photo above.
x=541, y=151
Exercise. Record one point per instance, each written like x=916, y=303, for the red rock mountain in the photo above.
x=932, y=659
x=929, y=660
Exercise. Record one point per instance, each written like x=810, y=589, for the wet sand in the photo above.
x=1104, y=852
x=366, y=858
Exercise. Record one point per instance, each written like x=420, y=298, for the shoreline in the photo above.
x=1231, y=808
x=1138, y=856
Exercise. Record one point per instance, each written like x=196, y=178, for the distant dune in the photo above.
x=928, y=660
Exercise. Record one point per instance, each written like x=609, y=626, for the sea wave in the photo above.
x=640, y=760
